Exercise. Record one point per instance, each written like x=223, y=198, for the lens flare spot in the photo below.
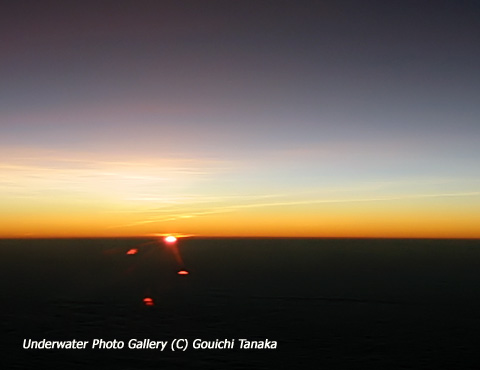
x=148, y=301
x=132, y=251
x=170, y=239
x=183, y=272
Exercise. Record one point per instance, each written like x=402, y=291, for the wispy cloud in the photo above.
x=286, y=203
x=26, y=175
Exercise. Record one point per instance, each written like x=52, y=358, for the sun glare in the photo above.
x=170, y=239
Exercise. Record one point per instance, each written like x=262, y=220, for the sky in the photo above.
x=240, y=118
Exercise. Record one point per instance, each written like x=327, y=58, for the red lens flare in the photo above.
x=132, y=251
x=148, y=301
x=183, y=272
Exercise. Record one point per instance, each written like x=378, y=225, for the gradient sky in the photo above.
x=240, y=118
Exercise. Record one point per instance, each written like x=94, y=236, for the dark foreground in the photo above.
x=329, y=303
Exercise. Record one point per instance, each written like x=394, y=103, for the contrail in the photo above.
x=233, y=208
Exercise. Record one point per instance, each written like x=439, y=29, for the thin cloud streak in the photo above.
x=29, y=177
x=229, y=209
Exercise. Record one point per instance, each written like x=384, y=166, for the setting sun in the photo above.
x=170, y=239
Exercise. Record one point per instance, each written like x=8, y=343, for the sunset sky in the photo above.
x=240, y=118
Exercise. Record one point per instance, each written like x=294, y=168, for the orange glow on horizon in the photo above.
x=418, y=218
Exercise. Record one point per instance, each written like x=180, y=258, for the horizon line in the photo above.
x=239, y=237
